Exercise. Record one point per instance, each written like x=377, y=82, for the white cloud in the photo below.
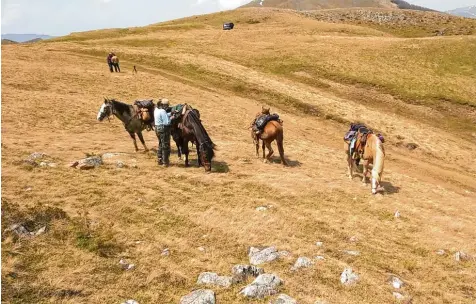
x=11, y=11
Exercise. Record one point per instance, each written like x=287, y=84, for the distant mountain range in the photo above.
x=24, y=37
x=329, y=4
x=468, y=12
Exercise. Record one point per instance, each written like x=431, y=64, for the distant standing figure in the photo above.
x=115, y=63
x=109, y=62
x=134, y=70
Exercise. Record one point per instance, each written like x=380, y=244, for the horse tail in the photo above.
x=379, y=156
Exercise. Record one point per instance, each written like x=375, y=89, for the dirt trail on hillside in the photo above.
x=184, y=208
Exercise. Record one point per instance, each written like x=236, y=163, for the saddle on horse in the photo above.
x=357, y=137
x=145, y=110
x=260, y=122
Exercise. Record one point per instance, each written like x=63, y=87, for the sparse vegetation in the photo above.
x=318, y=76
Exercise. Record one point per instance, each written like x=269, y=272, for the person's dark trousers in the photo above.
x=164, y=144
x=116, y=67
x=159, y=146
x=110, y=67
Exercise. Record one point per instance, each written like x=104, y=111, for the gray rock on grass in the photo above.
x=264, y=285
x=211, y=278
x=200, y=296
x=348, y=277
x=284, y=299
x=302, y=262
x=242, y=272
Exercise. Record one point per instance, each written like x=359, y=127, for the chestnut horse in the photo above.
x=372, y=153
x=271, y=132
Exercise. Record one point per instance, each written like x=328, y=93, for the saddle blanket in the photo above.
x=264, y=119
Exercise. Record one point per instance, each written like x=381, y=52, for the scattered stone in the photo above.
x=110, y=155
x=48, y=164
x=28, y=189
x=165, y=252
x=21, y=231
x=397, y=214
x=348, y=277
x=264, y=285
x=319, y=258
x=353, y=239
x=130, y=302
x=202, y=249
x=200, y=296
x=37, y=155
x=40, y=231
x=441, y=252
x=120, y=164
x=320, y=302
x=125, y=265
x=259, y=256
x=89, y=163
x=352, y=252
x=284, y=299
x=302, y=262
x=398, y=296
x=73, y=164
x=319, y=244
x=411, y=146
x=214, y=279
x=397, y=283
x=261, y=208
x=460, y=256
x=242, y=272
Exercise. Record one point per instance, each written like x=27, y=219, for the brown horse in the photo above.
x=271, y=132
x=373, y=153
x=188, y=128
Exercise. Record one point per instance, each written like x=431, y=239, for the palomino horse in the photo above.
x=372, y=153
x=115, y=63
x=129, y=117
x=188, y=128
x=272, y=131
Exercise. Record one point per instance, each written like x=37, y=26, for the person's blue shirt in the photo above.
x=161, y=117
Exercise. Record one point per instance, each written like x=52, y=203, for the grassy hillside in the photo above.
x=319, y=76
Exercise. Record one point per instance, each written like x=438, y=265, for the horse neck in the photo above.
x=197, y=128
x=120, y=111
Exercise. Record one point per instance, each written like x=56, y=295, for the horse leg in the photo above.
x=280, y=143
x=270, y=153
x=257, y=148
x=366, y=171
x=264, y=150
x=199, y=160
x=133, y=136
x=185, y=151
x=141, y=138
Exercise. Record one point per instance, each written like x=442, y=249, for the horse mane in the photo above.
x=200, y=133
x=121, y=106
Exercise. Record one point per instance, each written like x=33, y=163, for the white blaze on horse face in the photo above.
x=101, y=111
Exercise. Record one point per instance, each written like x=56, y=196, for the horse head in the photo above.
x=206, y=154
x=106, y=109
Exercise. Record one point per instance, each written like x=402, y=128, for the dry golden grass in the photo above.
x=51, y=93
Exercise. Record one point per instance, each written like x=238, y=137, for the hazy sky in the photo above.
x=60, y=17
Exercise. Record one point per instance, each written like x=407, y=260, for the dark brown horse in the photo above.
x=188, y=128
x=129, y=117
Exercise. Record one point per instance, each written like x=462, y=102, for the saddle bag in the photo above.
x=145, y=115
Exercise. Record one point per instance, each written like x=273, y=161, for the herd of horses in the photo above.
x=188, y=128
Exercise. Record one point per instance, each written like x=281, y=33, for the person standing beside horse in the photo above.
x=162, y=130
